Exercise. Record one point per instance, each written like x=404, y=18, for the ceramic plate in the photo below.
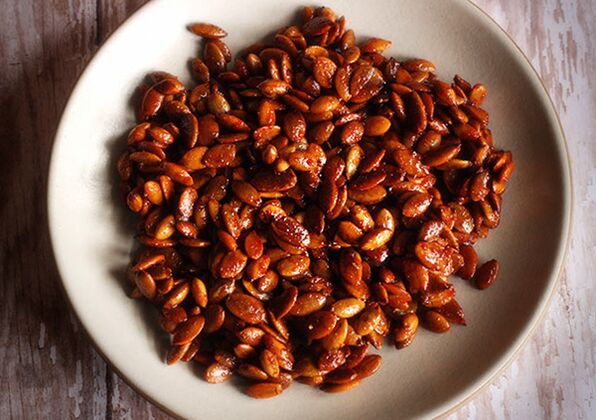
x=92, y=237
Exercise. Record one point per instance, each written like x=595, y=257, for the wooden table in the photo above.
x=49, y=368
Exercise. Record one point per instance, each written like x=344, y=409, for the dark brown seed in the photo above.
x=214, y=318
x=487, y=274
x=468, y=270
x=341, y=376
x=331, y=359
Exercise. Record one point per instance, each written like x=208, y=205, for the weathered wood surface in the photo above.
x=50, y=370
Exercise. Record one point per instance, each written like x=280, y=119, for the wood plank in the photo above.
x=48, y=367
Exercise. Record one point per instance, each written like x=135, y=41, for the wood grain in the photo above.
x=48, y=367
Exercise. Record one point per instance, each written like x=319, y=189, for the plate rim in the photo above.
x=527, y=331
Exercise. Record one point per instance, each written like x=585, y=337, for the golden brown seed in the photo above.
x=187, y=332
x=366, y=82
x=347, y=308
x=376, y=126
x=146, y=158
x=232, y=264
x=417, y=205
x=320, y=324
x=405, y=333
x=244, y=351
x=252, y=372
x=216, y=373
x=370, y=196
x=338, y=336
x=151, y=104
x=293, y=266
x=324, y=104
x=269, y=181
x=269, y=363
x=207, y=30
x=176, y=296
x=177, y=173
x=272, y=88
x=192, y=160
x=342, y=387
x=199, y=292
x=294, y=126
x=146, y=285
x=477, y=94
x=350, y=266
x=375, y=45
x=341, y=376
x=352, y=133
x=246, y=308
x=375, y=239
x=418, y=65
x=323, y=71
x=468, y=270
x=253, y=245
x=289, y=230
x=177, y=353
x=165, y=228
x=148, y=261
x=307, y=304
x=264, y=390
x=369, y=365
x=436, y=322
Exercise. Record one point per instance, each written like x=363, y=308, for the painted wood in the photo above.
x=47, y=365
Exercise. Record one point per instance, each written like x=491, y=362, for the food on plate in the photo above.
x=305, y=200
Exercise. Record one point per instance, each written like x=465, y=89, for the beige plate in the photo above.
x=92, y=243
